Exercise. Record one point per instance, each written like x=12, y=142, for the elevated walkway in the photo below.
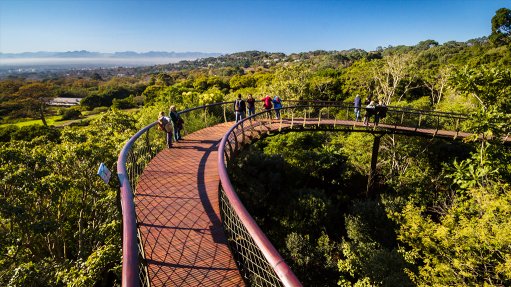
x=177, y=201
x=178, y=214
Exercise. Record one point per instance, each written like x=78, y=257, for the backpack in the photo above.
x=267, y=103
x=164, y=125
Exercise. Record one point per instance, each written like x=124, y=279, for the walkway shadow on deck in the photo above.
x=178, y=213
x=216, y=228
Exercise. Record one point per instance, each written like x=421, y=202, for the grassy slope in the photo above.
x=55, y=120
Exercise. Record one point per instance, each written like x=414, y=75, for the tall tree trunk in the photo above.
x=41, y=114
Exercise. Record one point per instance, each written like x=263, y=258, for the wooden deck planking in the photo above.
x=179, y=218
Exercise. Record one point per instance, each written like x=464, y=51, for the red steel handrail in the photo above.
x=130, y=276
x=280, y=267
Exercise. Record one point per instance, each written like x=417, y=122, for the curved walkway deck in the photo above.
x=179, y=219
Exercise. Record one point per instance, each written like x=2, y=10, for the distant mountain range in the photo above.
x=115, y=55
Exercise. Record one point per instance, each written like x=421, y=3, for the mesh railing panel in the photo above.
x=251, y=262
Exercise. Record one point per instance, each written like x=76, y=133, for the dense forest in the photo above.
x=441, y=214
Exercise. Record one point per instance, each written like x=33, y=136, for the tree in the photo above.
x=436, y=81
x=291, y=82
x=501, y=27
x=490, y=85
x=358, y=79
x=36, y=96
x=390, y=73
x=59, y=223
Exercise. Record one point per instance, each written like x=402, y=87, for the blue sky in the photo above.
x=228, y=26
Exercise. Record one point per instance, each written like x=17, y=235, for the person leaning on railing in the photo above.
x=164, y=125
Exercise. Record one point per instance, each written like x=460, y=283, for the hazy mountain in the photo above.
x=124, y=55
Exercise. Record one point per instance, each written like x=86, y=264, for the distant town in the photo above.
x=16, y=64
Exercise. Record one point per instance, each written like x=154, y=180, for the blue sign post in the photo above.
x=104, y=173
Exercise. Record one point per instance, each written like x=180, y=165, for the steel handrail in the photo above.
x=271, y=254
x=130, y=276
x=130, y=262
x=396, y=108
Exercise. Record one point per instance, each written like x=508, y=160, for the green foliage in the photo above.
x=210, y=96
x=449, y=202
x=122, y=104
x=370, y=250
x=27, y=133
x=469, y=244
x=245, y=81
x=59, y=223
x=297, y=181
x=490, y=85
x=71, y=114
x=501, y=27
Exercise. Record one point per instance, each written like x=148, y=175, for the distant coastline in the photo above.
x=48, y=61
x=15, y=63
x=99, y=55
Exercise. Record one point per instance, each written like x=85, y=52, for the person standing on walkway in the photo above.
x=358, y=105
x=267, y=105
x=177, y=123
x=277, y=104
x=164, y=125
x=380, y=113
x=239, y=108
x=250, y=105
x=370, y=111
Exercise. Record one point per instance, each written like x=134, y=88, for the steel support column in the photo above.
x=373, y=176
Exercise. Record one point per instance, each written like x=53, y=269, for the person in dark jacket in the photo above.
x=239, y=108
x=177, y=123
x=358, y=105
x=370, y=111
x=380, y=113
x=250, y=105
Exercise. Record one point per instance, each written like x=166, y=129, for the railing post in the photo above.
x=292, y=117
x=243, y=133
x=205, y=116
x=319, y=118
x=236, y=144
x=437, y=124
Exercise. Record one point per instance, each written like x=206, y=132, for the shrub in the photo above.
x=71, y=114
x=123, y=103
x=27, y=133
x=5, y=132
